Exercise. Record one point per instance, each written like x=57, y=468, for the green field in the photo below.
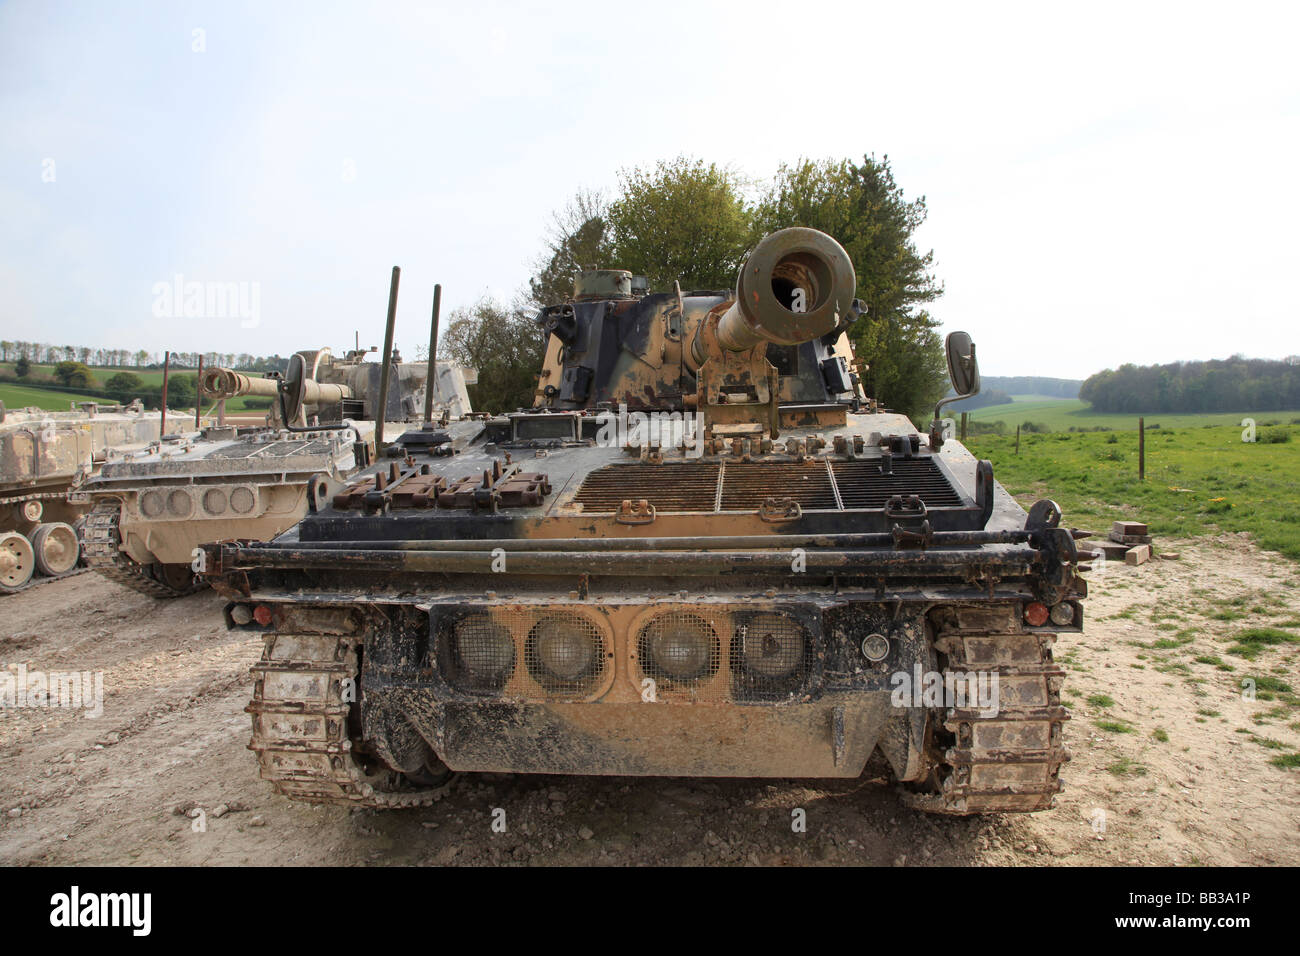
x=55, y=400
x=1201, y=480
x=22, y=396
x=1062, y=414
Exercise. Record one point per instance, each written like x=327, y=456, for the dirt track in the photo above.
x=173, y=733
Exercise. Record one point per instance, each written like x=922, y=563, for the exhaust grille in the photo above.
x=676, y=486
x=746, y=484
x=862, y=485
x=743, y=486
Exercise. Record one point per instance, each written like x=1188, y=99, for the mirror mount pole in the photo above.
x=936, y=426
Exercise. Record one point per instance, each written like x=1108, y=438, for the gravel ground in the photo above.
x=163, y=775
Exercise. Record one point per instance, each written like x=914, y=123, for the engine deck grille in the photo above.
x=861, y=484
x=821, y=485
x=746, y=484
x=679, y=486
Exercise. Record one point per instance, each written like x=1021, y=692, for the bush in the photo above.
x=1274, y=436
x=124, y=386
x=74, y=375
x=22, y=368
x=181, y=390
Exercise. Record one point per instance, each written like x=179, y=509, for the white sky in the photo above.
x=1106, y=183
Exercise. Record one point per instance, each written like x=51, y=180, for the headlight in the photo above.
x=179, y=504
x=679, y=646
x=770, y=645
x=152, y=503
x=485, y=650
x=242, y=500
x=562, y=647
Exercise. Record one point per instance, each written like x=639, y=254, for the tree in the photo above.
x=683, y=221
x=124, y=386
x=506, y=348
x=862, y=207
x=74, y=374
x=181, y=390
x=22, y=368
x=578, y=239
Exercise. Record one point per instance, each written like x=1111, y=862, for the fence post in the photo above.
x=963, y=427
x=1017, y=439
x=162, y=420
x=1142, y=449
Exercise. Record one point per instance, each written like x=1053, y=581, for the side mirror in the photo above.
x=963, y=370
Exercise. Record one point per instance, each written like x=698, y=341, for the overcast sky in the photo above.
x=1106, y=183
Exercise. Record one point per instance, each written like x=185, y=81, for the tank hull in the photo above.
x=397, y=593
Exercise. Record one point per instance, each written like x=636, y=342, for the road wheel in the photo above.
x=17, y=561
x=178, y=577
x=57, y=548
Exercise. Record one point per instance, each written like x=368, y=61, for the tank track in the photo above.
x=100, y=548
x=37, y=580
x=1008, y=761
x=302, y=731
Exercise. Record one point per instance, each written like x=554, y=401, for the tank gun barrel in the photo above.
x=796, y=286
x=227, y=383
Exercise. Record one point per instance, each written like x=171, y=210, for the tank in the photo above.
x=702, y=552
x=44, y=457
x=152, y=507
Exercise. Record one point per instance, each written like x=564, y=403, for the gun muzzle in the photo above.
x=795, y=286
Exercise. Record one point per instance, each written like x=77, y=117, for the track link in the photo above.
x=1009, y=760
x=303, y=692
x=101, y=549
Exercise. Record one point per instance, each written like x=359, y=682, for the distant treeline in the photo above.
x=1221, y=385
x=1033, y=385
x=39, y=353
x=987, y=396
x=998, y=389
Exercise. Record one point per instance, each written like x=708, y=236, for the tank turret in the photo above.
x=326, y=389
x=779, y=340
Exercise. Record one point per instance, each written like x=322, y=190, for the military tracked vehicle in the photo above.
x=152, y=507
x=44, y=456
x=704, y=551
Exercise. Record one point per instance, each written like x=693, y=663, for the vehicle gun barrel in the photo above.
x=795, y=286
x=227, y=383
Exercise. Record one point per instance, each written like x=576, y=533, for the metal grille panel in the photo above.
x=681, y=652
x=702, y=487
x=862, y=485
x=482, y=654
x=276, y=448
x=771, y=656
x=565, y=653
x=746, y=484
x=676, y=486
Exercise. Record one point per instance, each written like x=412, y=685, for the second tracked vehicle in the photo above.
x=44, y=458
x=152, y=507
